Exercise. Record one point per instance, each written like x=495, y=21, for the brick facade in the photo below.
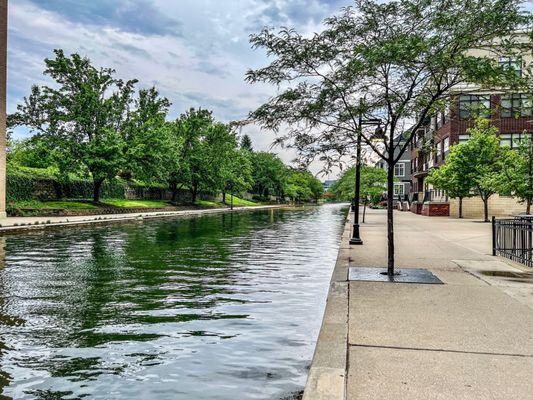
x=436, y=209
x=416, y=207
x=455, y=126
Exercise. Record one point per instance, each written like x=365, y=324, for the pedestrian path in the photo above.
x=23, y=223
x=471, y=338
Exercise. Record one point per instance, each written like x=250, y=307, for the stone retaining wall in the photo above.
x=499, y=206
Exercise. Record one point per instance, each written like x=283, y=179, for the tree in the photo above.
x=517, y=171
x=455, y=176
x=397, y=61
x=316, y=187
x=478, y=161
x=85, y=118
x=246, y=143
x=189, y=130
x=301, y=186
x=220, y=172
x=239, y=173
x=149, y=146
x=373, y=184
x=269, y=175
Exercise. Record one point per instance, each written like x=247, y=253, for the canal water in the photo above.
x=225, y=306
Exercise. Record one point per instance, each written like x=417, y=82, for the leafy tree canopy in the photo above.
x=396, y=61
x=246, y=143
x=269, y=174
x=373, y=183
x=90, y=118
x=517, y=171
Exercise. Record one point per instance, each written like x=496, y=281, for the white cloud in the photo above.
x=204, y=65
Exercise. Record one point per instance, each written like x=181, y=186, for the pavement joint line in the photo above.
x=472, y=274
x=347, y=344
x=370, y=346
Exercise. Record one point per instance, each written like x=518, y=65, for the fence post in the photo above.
x=493, y=235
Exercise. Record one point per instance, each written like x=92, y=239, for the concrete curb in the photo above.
x=327, y=375
x=33, y=223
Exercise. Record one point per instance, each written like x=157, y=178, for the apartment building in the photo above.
x=511, y=113
x=402, y=171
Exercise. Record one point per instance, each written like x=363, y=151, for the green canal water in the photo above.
x=225, y=306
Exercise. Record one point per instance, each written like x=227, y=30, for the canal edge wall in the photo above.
x=17, y=224
x=327, y=375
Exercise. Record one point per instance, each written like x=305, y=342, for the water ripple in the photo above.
x=215, y=307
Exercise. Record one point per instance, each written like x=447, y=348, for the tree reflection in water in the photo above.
x=206, y=307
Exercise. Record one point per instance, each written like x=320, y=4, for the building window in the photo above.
x=471, y=106
x=511, y=140
x=512, y=63
x=517, y=105
x=399, y=169
x=463, y=138
x=398, y=189
x=506, y=140
x=446, y=144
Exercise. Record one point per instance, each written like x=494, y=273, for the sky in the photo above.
x=196, y=52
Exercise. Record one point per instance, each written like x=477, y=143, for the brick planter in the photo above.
x=416, y=208
x=436, y=209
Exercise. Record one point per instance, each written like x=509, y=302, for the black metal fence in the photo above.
x=513, y=239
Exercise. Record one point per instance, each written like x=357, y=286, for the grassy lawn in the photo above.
x=237, y=202
x=207, y=203
x=241, y=202
x=53, y=205
x=121, y=203
x=35, y=207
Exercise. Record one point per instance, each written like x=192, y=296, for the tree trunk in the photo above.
x=460, y=207
x=174, y=190
x=194, y=192
x=58, y=189
x=224, y=197
x=364, y=211
x=390, y=220
x=485, y=209
x=97, y=188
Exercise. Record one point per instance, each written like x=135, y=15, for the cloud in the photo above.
x=195, y=52
x=135, y=16
x=299, y=13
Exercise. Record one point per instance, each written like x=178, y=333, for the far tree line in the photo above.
x=93, y=125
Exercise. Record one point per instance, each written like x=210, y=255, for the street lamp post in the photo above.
x=356, y=237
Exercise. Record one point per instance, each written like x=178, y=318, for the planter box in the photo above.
x=434, y=209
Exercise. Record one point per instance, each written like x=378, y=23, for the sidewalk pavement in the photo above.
x=471, y=338
x=22, y=223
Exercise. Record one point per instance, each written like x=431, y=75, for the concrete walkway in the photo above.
x=471, y=338
x=22, y=223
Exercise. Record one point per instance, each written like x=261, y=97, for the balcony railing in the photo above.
x=513, y=239
x=436, y=196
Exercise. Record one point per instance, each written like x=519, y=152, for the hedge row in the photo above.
x=27, y=187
